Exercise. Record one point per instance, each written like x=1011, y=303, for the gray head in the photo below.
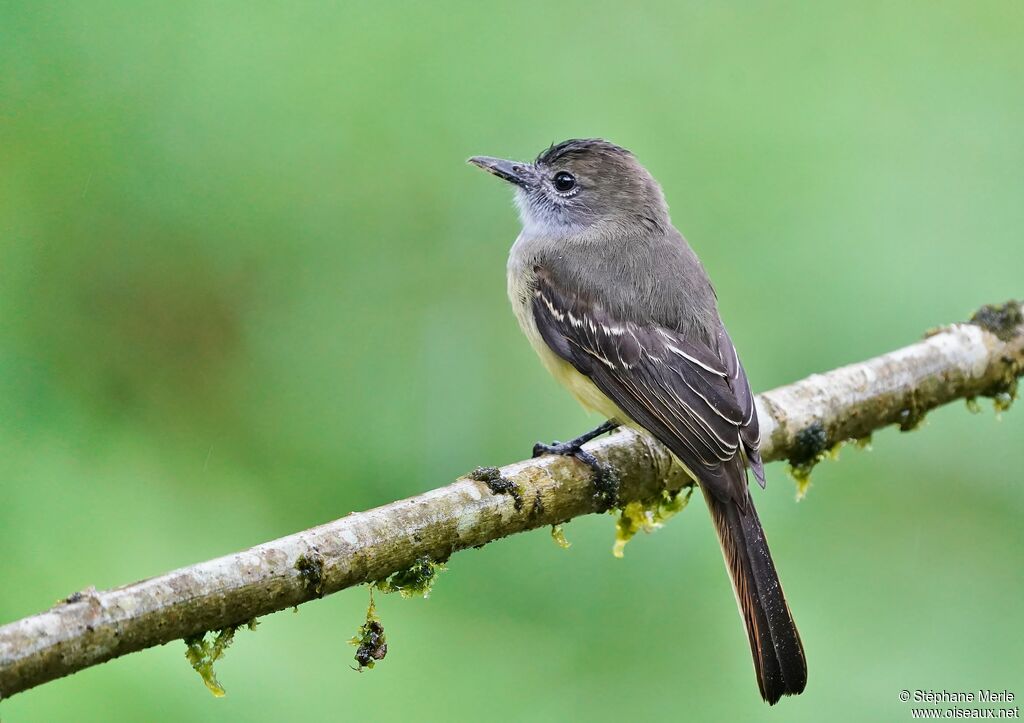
x=583, y=185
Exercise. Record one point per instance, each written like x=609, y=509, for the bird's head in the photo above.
x=578, y=185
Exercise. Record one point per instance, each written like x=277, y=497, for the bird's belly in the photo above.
x=580, y=386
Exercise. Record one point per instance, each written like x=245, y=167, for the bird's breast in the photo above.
x=521, y=284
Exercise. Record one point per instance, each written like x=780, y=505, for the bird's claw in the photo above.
x=605, y=480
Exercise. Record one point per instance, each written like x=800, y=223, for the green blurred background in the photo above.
x=248, y=284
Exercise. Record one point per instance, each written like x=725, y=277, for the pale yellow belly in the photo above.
x=585, y=391
x=592, y=398
x=578, y=385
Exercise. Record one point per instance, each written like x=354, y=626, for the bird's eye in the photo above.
x=563, y=182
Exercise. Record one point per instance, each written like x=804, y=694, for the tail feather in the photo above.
x=774, y=641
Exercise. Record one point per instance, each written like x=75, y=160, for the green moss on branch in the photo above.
x=202, y=653
x=416, y=580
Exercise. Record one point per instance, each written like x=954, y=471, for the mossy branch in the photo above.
x=800, y=422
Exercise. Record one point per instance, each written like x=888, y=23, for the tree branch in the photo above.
x=798, y=422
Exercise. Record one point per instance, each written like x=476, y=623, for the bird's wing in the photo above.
x=693, y=399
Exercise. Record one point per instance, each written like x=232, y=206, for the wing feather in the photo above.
x=694, y=399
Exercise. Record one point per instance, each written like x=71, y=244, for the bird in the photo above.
x=622, y=313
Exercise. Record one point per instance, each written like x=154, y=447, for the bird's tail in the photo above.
x=774, y=641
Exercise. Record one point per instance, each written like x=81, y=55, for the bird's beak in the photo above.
x=511, y=171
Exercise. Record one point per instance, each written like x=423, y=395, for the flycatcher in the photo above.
x=622, y=313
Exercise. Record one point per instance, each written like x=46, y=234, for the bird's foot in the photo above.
x=606, y=481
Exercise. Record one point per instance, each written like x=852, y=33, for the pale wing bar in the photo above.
x=682, y=391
